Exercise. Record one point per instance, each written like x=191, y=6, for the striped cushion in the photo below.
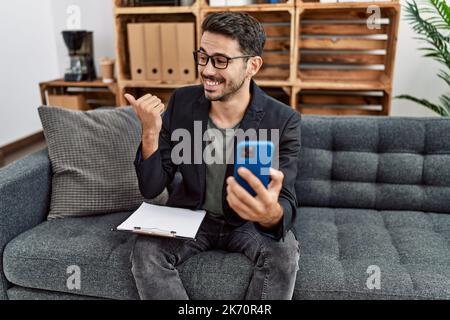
x=91, y=154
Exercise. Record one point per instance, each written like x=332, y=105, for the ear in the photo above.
x=253, y=66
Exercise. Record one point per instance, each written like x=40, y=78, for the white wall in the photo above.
x=96, y=16
x=414, y=74
x=32, y=50
x=27, y=57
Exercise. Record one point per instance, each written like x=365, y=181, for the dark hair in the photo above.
x=239, y=26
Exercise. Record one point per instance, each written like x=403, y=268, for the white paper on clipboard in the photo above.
x=164, y=221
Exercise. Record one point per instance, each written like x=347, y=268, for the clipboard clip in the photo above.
x=155, y=232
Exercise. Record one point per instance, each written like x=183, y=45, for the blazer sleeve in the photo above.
x=157, y=171
x=289, y=151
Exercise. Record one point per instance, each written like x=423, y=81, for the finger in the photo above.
x=244, y=196
x=144, y=97
x=144, y=101
x=241, y=208
x=254, y=182
x=151, y=102
x=160, y=108
x=132, y=101
x=130, y=98
x=277, y=180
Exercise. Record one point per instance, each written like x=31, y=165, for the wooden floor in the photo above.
x=22, y=152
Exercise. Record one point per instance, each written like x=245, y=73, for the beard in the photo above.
x=229, y=88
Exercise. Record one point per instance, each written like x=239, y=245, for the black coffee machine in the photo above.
x=81, y=52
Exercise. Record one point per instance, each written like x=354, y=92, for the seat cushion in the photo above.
x=341, y=251
x=39, y=259
x=337, y=247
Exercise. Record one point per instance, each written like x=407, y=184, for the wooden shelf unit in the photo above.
x=89, y=94
x=322, y=58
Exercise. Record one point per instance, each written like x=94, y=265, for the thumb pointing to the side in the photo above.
x=132, y=101
x=130, y=98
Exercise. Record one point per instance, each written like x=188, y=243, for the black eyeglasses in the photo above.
x=219, y=61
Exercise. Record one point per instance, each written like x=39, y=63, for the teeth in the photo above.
x=210, y=83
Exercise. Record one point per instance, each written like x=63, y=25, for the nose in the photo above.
x=209, y=69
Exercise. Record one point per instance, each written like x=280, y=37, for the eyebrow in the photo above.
x=215, y=53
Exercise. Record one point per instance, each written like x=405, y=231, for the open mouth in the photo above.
x=211, y=85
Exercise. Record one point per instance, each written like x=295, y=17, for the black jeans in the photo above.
x=154, y=260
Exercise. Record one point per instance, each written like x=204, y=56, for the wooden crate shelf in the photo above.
x=279, y=27
x=341, y=102
x=155, y=10
x=342, y=85
x=345, y=48
x=339, y=50
x=258, y=5
x=125, y=4
x=311, y=48
x=252, y=8
x=315, y=4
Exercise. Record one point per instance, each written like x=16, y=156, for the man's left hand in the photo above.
x=264, y=208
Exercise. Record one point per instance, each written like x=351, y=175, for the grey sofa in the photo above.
x=374, y=194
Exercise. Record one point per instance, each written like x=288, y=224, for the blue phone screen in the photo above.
x=256, y=156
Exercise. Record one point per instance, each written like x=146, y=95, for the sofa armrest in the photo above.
x=24, y=200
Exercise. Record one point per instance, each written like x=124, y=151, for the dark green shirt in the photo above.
x=216, y=165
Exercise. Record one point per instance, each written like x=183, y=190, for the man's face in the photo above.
x=222, y=84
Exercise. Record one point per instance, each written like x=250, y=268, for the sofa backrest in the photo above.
x=382, y=163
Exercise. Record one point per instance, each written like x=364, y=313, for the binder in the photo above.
x=169, y=52
x=136, y=47
x=152, y=51
x=186, y=44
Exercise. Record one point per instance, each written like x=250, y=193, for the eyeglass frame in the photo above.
x=215, y=55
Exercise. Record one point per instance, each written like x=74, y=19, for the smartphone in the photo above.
x=256, y=156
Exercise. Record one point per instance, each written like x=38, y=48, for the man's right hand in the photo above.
x=148, y=109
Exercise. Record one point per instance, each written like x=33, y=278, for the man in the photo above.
x=228, y=99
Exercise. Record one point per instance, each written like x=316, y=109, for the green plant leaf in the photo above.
x=433, y=31
x=434, y=107
x=444, y=76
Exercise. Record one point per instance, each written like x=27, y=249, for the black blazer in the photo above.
x=189, y=104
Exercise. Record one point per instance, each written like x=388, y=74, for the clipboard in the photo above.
x=159, y=233
x=163, y=221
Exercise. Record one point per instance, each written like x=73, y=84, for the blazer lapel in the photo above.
x=255, y=111
x=200, y=113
